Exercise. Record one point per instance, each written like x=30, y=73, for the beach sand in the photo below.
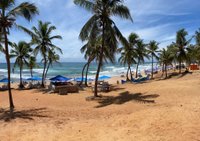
x=158, y=110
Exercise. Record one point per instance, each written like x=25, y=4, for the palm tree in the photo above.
x=128, y=53
x=166, y=59
x=8, y=14
x=21, y=52
x=197, y=38
x=141, y=53
x=181, y=43
x=52, y=58
x=90, y=54
x=152, y=49
x=101, y=24
x=42, y=39
x=32, y=64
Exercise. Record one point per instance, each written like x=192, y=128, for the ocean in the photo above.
x=71, y=70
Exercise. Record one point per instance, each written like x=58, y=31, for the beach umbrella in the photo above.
x=80, y=79
x=4, y=80
x=34, y=78
x=60, y=78
x=104, y=77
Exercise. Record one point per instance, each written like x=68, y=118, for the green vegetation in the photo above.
x=8, y=15
x=101, y=25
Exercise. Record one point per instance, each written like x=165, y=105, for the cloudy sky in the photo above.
x=152, y=20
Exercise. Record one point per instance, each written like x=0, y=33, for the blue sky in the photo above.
x=153, y=20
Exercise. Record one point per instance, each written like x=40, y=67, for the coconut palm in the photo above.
x=141, y=54
x=8, y=15
x=197, y=45
x=21, y=53
x=42, y=39
x=197, y=37
x=32, y=64
x=52, y=58
x=102, y=11
x=89, y=51
x=152, y=51
x=181, y=44
x=128, y=53
x=165, y=59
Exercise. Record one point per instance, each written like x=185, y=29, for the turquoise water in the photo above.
x=71, y=69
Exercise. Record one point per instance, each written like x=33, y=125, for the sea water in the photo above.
x=71, y=70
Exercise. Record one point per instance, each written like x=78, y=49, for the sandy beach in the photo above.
x=158, y=110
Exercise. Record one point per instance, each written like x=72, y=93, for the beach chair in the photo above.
x=123, y=81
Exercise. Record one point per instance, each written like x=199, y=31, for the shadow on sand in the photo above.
x=23, y=114
x=125, y=97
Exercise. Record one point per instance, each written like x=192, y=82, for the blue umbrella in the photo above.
x=4, y=80
x=80, y=79
x=104, y=77
x=34, y=78
x=60, y=78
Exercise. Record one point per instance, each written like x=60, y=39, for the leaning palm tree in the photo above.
x=141, y=54
x=52, y=58
x=165, y=58
x=128, y=53
x=197, y=37
x=152, y=50
x=181, y=44
x=8, y=15
x=32, y=64
x=197, y=45
x=42, y=39
x=21, y=53
x=101, y=24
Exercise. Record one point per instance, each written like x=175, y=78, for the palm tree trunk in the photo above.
x=152, y=68
x=100, y=61
x=43, y=74
x=47, y=70
x=83, y=74
x=136, y=75
x=127, y=78
x=86, y=74
x=21, y=85
x=180, y=65
x=131, y=73
x=31, y=71
x=165, y=71
x=8, y=68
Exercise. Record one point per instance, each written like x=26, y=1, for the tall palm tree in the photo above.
x=8, y=15
x=128, y=53
x=32, y=64
x=21, y=53
x=165, y=59
x=141, y=54
x=181, y=44
x=42, y=39
x=101, y=24
x=152, y=50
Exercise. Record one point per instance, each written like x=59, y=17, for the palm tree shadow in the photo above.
x=23, y=114
x=125, y=97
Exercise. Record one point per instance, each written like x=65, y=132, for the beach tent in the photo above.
x=104, y=77
x=34, y=78
x=60, y=78
x=4, y=80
